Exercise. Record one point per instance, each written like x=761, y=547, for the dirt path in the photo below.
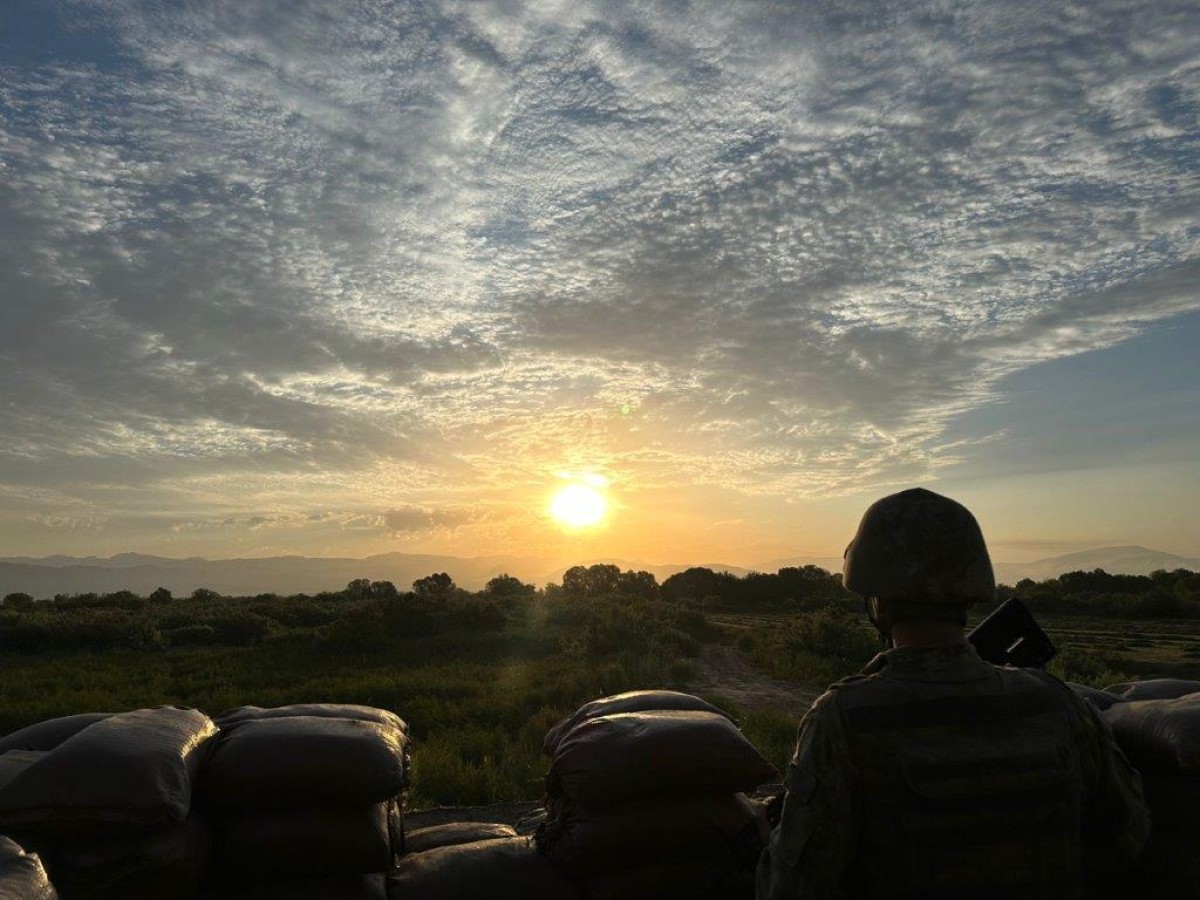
x=725, y=673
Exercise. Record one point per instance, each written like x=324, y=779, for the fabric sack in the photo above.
x=631, y=701
x=303, y=887
x=303, y=762
x=132, y=770
x=501, y=869
x=668, y=879
x=628, y=756
x=1102, y=700
x=579, y=841
x=22, y=876
x=1154, y=689
x=453, y=834
x=335, y=840
x=49, y=734
x=167, y=862
x=1159, y=736
x=239, y=714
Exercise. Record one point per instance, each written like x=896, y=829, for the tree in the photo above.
x=204, y=594
x=18, y=601
x=358, y=589
x=505, y=585
x=438, y=584
x=638, y=584
x=160, y=595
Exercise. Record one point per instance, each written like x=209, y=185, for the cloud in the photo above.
x=246, y=242
x=412, y=519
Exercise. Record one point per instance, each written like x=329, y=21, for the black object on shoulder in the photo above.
x=1010, y=636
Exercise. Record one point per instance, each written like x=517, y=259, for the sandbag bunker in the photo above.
x=159, y=803
x=646, y=797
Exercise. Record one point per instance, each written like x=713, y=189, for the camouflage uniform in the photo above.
x=935, y=774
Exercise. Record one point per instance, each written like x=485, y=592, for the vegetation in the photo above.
x=480, y=676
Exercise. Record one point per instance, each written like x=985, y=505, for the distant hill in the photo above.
x=309, y=575
x=1127, y=560
x=280, y=574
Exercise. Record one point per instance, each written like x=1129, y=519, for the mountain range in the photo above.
x=140, y=573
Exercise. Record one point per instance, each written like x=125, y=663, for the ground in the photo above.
x=723, y=672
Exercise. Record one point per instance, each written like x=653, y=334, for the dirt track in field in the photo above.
x=726, y=673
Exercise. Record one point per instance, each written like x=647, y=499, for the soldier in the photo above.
x=933, y=773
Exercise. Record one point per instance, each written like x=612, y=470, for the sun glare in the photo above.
x=578, y=506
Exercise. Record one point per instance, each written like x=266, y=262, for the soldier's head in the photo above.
x=918, y=557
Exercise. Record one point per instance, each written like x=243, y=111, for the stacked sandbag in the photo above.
x=22, y=876
x=1154, y=689
x=507, y=868
x=303, y=793
x=453, y=834
x=1162, y=738
x=1102, y=700
x=109, y=807
x=649, y=802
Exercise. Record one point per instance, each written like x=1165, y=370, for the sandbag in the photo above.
x=49, y=734
x=1169, y=866
x=1154, y=689
x=22, y=876
x=1159, y=736
x=627, y=756
x=338, y=840
x=1174, y=802
x=631, y=701
x=132, y=770
x=167, y=862
x=668, y=879
x=454, y=833
x=579, y=841
x=239, y=714
x=302, y=762
x=501, y=869
x=1100, y=699
x=328, y=887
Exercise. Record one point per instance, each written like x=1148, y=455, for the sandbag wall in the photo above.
x=305, y=792
x=645, y=799
x=106, y=801
x=22, y=876
x=1157, y=724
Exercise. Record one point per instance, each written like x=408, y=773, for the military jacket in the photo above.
x=935, y=774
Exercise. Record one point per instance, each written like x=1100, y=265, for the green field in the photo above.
x=480, y=677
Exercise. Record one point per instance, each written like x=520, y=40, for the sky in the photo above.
x=342, y=278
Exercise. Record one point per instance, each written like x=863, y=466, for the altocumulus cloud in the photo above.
x=774, y=246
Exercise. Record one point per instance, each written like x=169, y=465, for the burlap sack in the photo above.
x=688, y=878
x=166, y=862
x=49, y=734
x=585, y=842
x=305, y=887
x=239, y=714
x=502, y=869
x=22, y=876
x=454, y=834
x=343, y=840
x=1159, y=736
x=628, y=756
x=1100, y=699
x=303, y=762
x=1154, y=689
x=631, y=701
x=132, y=770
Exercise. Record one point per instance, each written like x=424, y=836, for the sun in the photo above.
x=578, y=506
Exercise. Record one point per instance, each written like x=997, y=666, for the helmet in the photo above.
x=922, y=548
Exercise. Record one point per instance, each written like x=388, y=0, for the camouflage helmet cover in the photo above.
x=920, y=546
